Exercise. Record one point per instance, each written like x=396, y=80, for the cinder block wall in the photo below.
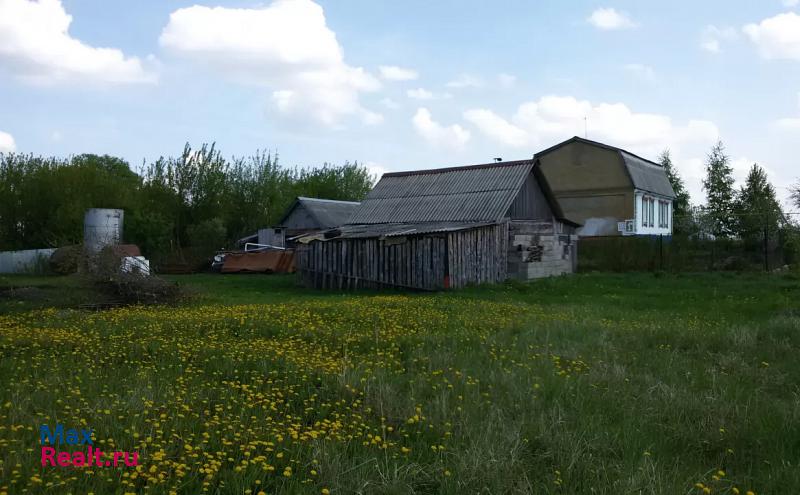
x=536, y=250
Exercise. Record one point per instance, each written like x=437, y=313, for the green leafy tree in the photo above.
x=348, y=182
x=757, y=207
x=43, y=200
x=721, y=197
x=207, y=237
x=196, y=202
x=681, y=207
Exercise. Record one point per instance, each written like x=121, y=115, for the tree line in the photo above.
x=197, y=202
x=201, y=201
x=748, y=213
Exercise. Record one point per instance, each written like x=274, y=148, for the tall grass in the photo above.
x=586, y=384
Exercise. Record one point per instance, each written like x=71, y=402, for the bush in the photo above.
x=65, y=260
x=134, y=288
x=129, y=288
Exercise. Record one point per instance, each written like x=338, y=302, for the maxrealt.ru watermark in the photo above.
x=52, y=440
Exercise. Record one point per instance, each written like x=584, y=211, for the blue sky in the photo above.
x=404, y=85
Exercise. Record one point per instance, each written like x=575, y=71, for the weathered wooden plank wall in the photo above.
x=428, y=262
x=478, y=255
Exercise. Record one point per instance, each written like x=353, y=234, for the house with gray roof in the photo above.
x=608, y=190
x=445, y=228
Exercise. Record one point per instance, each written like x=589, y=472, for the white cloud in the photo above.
x=608, y=19
x=453, y=136
x=285, y=46
x=465, y=81
x=713, y=36
x=741, y=167
x=371, y=118
x=506, y=80
x=711, y=46
x=551, y=119
x=376, y=169
x=35, y=45
x=394, y=73
x=390, y=103
x=497, y=128
x=420, y=94
x=643, y=72
x=7, y=144
x=777, y=37
x=554, y=118
x=789, y=124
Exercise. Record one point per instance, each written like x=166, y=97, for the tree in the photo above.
x=795, y=194
x=720, y=194
x=757, y=206
x=198, y=200
x=43, y=200
x=681, y=205
x=348, y=182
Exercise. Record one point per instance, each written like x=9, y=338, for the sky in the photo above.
x=405, y=85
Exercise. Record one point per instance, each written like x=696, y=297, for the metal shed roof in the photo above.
x=384, y=230
x=328, y=213
x=477, y=193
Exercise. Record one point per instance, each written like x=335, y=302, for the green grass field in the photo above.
x=630, y=383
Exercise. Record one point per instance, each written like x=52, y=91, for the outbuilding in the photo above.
x=306, y=215
x=445, y=228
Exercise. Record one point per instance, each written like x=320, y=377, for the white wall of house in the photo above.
x=653, y=214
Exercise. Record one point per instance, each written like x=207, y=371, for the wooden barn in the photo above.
x=444, y=228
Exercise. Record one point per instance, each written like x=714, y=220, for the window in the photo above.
x=663, y=214
x=660, y=214
x=648, y=211
x=644, y=211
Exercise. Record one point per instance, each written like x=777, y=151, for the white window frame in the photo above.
x=644, y=211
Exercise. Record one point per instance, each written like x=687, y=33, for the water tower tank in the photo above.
x=102, y=227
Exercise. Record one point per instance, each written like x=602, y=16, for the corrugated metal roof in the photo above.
x=368, y=231
x=328, y=213
x=646, y=175
x=477, y=193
